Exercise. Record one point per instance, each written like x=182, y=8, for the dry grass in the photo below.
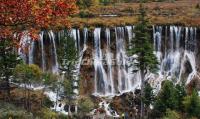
x=183, y=12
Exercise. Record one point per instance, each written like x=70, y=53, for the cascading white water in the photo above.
x=174, y=50
x=78, y=41
x=100, y=80
x=130, y=34
x=173, y=64
x=23, y=45
x=74, y=35
x=157, y=37
x=123, y=83
x=31, y=52
x=109, y=61
x=54, y=53
x=42, y=51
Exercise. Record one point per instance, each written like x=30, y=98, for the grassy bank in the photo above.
x=183, y=12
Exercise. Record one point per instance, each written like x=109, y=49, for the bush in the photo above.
x=85, y=14
x=47, y=102
x=46, y=113
x=192, y=105
x=83, y=4
x=9, y=111
x=170, y=114
x=85, y=105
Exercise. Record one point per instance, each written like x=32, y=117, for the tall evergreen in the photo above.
x=148, y=97
x=8, y=61
x=166, y=99
x=68, y=56
x=143, y=48
x=192, y=105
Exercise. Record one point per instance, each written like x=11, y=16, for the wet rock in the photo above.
x=127, y=102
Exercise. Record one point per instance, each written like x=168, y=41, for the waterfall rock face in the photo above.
x=104, y=66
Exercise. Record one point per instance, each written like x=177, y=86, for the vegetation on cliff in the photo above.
x=160, y=12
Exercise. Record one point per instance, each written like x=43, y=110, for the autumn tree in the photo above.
x=32, y=15
x=143, y=48
x=17, y=16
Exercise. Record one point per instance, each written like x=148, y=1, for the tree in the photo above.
x=32, y=15
x=49, y=80
x=192, y=105
x=67, y=57
x=27, y=75
x=143, y=48
x=180, y=94
x=8, y=61
x=167, y=98
x=148, y=97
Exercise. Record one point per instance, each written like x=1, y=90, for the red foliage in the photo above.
x=33, y=15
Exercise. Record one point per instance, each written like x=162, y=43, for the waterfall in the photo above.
x=157, y=37
x=173, y=64
x=24, y=43
x=130, y=35
x=78, y=42
x=74, y=35
x=174, y=46
x=31, y=51
x=133, y=78
x=100, y=74
x=189, y=53
x=109, y=62
x=42, y=51
x=54, y=53
x=123, y=84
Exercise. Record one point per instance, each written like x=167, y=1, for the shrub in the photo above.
x=9, y=111
x=85, y=106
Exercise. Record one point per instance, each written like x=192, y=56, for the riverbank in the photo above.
x=182, y=12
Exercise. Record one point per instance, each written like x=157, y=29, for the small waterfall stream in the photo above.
x=54, y=51
x=101, y=85
x=109, y=61
x=31, y=52
x=42, y=51
x=121, y=59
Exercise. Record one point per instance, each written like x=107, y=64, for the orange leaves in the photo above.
x=20, y=15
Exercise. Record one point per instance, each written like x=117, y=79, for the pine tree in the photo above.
x=8, y=61
x=192, y=105
x=167, y=98
x=67, y=56
x=143, y=48
x=148, y=96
